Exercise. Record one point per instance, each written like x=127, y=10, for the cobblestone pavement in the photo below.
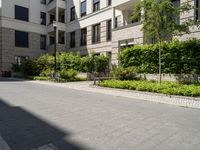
x=43, y=117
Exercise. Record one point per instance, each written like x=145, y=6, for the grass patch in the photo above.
x=170, y=88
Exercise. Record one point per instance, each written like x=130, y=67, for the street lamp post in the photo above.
x=55, y=48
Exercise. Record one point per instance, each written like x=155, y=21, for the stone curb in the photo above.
x=183, y=101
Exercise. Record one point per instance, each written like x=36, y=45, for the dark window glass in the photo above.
x=83, y=8
x=109, y=2
x=197, y=12
x=21, y=39
x=43, y=42
x=72, y=39
x=96, y=5
x=43, y=18
x=72, y=14
x=96, y=34
x=21, y=13
x=43, y=2
x=52, y=40
x=84, y=37
x=109, y=30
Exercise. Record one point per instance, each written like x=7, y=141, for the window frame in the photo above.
x=83, y=39
x=96, y=33
x=19, y=41
x=72, y=39
x=21, y=13
x=82, y=14
x=72, y=13
x=96, y=5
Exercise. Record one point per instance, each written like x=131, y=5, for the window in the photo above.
x=96, y=34
x=20, y=59
x=51, y=40
x=83, y=8
x=43, y=42
x=84, y=37
x=43, y=18
x=21, y=39
x=43, y=2
x=197, y=12
x=72, y=14
x=72, y=39
x=109, y=30
x=109, y=2
x=21, y=13
x=116, y=22
x=96, y=5
x=176, y=4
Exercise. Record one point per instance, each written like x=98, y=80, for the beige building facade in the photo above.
x=85, y=26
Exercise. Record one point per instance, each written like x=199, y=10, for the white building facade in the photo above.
x=85, y=26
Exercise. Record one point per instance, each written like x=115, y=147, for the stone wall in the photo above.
x=9, y=51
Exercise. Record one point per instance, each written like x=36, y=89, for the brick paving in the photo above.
x=46, y=117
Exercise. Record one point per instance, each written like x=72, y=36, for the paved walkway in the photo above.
x=44, y=117
x=153, y=97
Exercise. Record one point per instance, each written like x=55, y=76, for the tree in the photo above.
x=161, y=20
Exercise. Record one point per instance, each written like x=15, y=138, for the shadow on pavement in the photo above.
x=24, y=131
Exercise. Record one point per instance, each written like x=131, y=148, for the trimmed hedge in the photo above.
x=177, y=57
x=171, y=88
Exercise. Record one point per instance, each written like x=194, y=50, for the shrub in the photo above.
x=28, y=68
x=47, y=73
x=121, y=73
x=177, y=57
x=69, y=75
x=95, y=63
x=171, y=88
x=41, y=78
x=69, y=61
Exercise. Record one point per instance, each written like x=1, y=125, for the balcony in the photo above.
x=56, y=3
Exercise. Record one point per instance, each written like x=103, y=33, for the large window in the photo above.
x=72, y=39
x=83, y=8
x=72, y=14
x=109, y=30
x=21, y=13
x=197, y=12
x=43, y=42
x=96, y=5
x=96, y=34
x=21, y=39
x=43, y=18
x=84, y=37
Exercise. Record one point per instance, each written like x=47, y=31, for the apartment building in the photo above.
x=85, y=26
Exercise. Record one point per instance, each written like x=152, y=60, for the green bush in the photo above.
x=171, y=88
x=121, y=73
x=41, y=78
x=69, y=61
x=28, y=68
x=95, y=63
x=69, y=75
x=177, y=57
